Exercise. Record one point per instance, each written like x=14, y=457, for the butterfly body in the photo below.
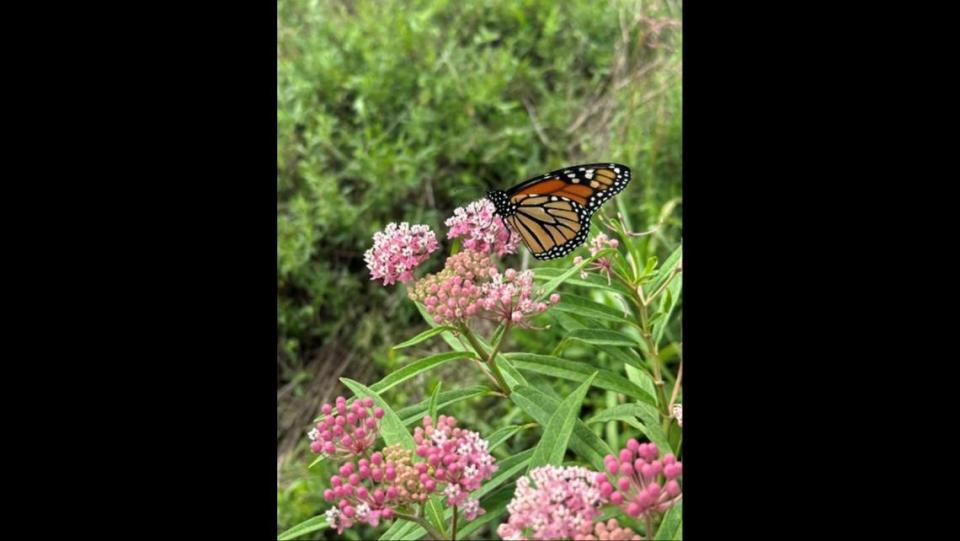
x=552, y=212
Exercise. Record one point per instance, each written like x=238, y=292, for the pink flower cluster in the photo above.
x=640, y=478
x=456, y=457
x=603, y=264
x=370, y=489
x=344, y=432
x=470, y=285
x=481, y=230
x=397, y=250
x=373, y=488
x=509, y=296
x=554, y=502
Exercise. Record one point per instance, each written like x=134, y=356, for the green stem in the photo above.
x=673, y=274
x=434, y=533
x=653, y=354
x=481, y=352
x=453, y=528
x=649, y=521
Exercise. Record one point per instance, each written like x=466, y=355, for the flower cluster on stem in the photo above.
x=397, y=250
x=481, y=230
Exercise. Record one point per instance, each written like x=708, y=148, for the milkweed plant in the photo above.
x=441, y=481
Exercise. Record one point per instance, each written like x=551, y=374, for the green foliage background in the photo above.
x=402, y=111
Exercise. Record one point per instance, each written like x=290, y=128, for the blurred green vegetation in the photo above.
x=402, y=111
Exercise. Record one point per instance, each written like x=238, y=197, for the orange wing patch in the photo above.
x=546, y=187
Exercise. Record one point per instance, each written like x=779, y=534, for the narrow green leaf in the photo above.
x=412, y=414
x=423, y=336
x=577, y=371
x=539, y=406
x=501, y=435
x=592, y=281
x=673, y=293
x=316, y=461
x=590, y=309
x=556, y=433
x=670, y=526
x=643, y=379
x=391, y=427
x=559, y=279
x=434, y=514
x=621, y=412
x=411, y=370
x=602, y=337
x=651, y=264
x=668, y=266
x=435, y=402
x=318, y=522
x=643, y=417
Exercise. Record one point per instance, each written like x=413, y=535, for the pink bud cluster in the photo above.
x=554, y=502
x=453, y=294
x=481, y=230
x=397, y=250
x=602, y=265
x=471, y=286
x=372, y=489
x=612, y=531
x=346, y=431
x=643, y=483
x=455, y=457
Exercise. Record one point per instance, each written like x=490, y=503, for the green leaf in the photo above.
x=672, y=297
x=621, y=412
x=603, y=338
x=391, y=427
x=664, y=272
x=650, y=417
x=559, y=428
x=590, y=309
x=412, y=414
x=316, y=461
x=423, y=336
x=643, y=379
x=416, y=367
x=318, y=522
x=434, y=515
x=592, y=281
x=559, y=279
x=672, y=520
x=501, y=435
x=539, y=406
x=434, y=402
x=651, y=264
x=577, y=371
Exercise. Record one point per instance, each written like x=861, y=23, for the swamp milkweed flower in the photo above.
x=397, y=250
x=481, y=230
x=554, y=502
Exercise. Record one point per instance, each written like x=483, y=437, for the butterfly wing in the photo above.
x=550, y=225
x=552, y=211
x=589, y=185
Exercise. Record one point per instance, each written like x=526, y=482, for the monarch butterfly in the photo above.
x=551, y=212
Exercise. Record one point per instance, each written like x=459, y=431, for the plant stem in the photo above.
x=649, y=522
x=481, y=352
x=453, y=528
x=653, y=355
x=423, y=523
